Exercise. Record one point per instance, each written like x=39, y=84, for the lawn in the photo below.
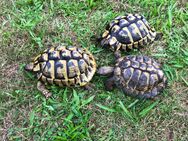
x=27, y=27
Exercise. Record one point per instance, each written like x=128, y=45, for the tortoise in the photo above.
x=137, y=75
x=63, y=66
x=128, y=32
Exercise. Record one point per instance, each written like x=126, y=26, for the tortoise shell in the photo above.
x=127, y=32
x=65, y=66
x=139, y=76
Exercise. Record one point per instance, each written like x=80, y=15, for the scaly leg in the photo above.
x=117, y=54
x=41, y=87
x=89, y=87
x=109, y=84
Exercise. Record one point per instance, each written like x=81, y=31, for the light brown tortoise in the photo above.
x=63, y=66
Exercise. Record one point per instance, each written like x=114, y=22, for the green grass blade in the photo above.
x=148, y=109
x=31, y=117
x=105, y=108
x=132, y=104
x=126, y=112
x=85, y=102
x=52, y=4
x=65, y=95
x=58, y=138
x=69, y=117
x=76, y=98
x=184, y=81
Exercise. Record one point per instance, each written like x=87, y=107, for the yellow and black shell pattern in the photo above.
x=65, y=66
x=139, y=76
x=128, y=32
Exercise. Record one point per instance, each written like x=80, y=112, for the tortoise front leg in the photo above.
x=109, y=84
x=89, y=87
x=41, y=87
x=117, y=54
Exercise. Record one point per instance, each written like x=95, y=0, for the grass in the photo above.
x=29, y=26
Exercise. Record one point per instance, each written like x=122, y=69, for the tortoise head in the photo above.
x=32, y=67
x=106, y=70
x=157, y=35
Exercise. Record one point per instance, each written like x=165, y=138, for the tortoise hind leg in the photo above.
x=41, y=87
x=109, y=84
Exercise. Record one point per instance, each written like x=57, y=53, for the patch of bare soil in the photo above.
x=52, y=26
x=7, y=123
x=10, y=71
x=16, y=117
x=181, y=92
x=157, y=49
x=182, y=2
x=119, y=5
